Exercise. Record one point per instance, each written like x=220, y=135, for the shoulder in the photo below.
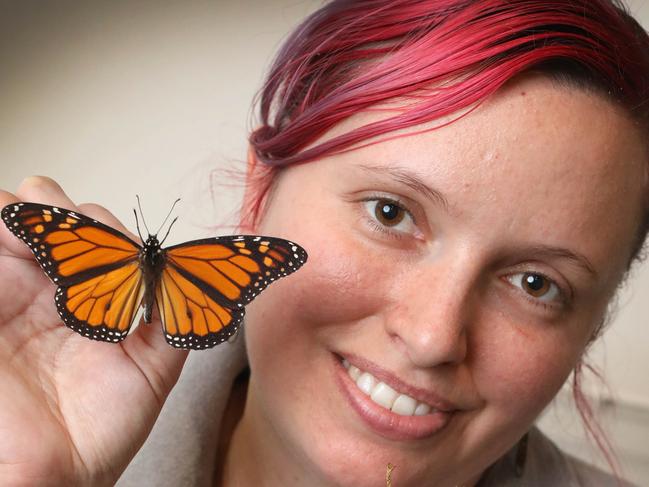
x=543, y=464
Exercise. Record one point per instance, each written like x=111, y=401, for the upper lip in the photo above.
x=427, y=396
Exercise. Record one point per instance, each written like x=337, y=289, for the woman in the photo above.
x=469, y=179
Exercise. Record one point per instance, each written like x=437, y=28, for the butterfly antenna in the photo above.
x=137, y=225
x=167, y=218
x=142, y=213
x=168, y=230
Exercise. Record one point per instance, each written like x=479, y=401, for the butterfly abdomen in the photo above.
x=152, y=263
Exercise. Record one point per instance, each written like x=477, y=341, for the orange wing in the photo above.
x=103, y=307
x=206, y=284
x=190, y=317
x=95, y=266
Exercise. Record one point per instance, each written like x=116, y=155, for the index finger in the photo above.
x=101, y=214
x=9, y=243
x=44, y=190
x=36, y=189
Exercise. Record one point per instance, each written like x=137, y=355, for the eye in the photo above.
x=537, y=286
x=388, y=213
x=389, y=216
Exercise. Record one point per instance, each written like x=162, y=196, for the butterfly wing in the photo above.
x=96, y=268
x=207, y=283
x=191, y=318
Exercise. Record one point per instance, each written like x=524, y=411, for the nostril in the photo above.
x=430, y=346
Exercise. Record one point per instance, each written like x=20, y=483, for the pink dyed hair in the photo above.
x=351, y=55
x=441, y=57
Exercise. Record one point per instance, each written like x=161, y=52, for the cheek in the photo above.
x=335, y=286
x=519, y=371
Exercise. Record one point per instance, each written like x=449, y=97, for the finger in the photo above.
x=9, y=243
x=44, y=190
x=104, y=216
x=159, y=361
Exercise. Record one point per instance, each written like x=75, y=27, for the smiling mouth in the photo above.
x=390, y=410
x=385, y=396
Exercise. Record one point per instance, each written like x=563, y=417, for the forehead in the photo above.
x=531, y=127
x=570, y=126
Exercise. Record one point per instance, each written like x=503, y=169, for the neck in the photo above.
x=249, y=451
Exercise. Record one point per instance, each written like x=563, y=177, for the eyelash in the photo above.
x=560, y=301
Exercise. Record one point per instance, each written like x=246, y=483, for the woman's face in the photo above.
x=466, y=268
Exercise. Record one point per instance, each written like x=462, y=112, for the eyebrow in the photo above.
x=564, y=253
x=411, y=180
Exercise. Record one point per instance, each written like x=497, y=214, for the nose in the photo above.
x=431, y=313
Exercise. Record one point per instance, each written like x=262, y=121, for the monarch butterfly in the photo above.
x=103, y=277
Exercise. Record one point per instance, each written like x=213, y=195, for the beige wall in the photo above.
x=148, y=97
x=134, y=96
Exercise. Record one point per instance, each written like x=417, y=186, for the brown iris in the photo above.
x=535, y=284
x=388, y=213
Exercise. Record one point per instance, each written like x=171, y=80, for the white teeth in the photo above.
x=366, y=383
x=354, y=372
x=404, y=405
x=383, y=395
x=422, y=409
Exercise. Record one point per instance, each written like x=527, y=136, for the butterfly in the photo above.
x=104, y=277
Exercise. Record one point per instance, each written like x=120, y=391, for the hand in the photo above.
x=72, y=410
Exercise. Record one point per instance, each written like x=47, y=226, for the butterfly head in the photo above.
x=152, y=242
x=152, y=252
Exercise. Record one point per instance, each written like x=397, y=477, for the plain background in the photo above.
x=119, y=98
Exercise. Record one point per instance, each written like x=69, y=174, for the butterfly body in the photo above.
x=152, y=262
x=199, y=287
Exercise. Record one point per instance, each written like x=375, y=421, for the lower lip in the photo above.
x=383, y=421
